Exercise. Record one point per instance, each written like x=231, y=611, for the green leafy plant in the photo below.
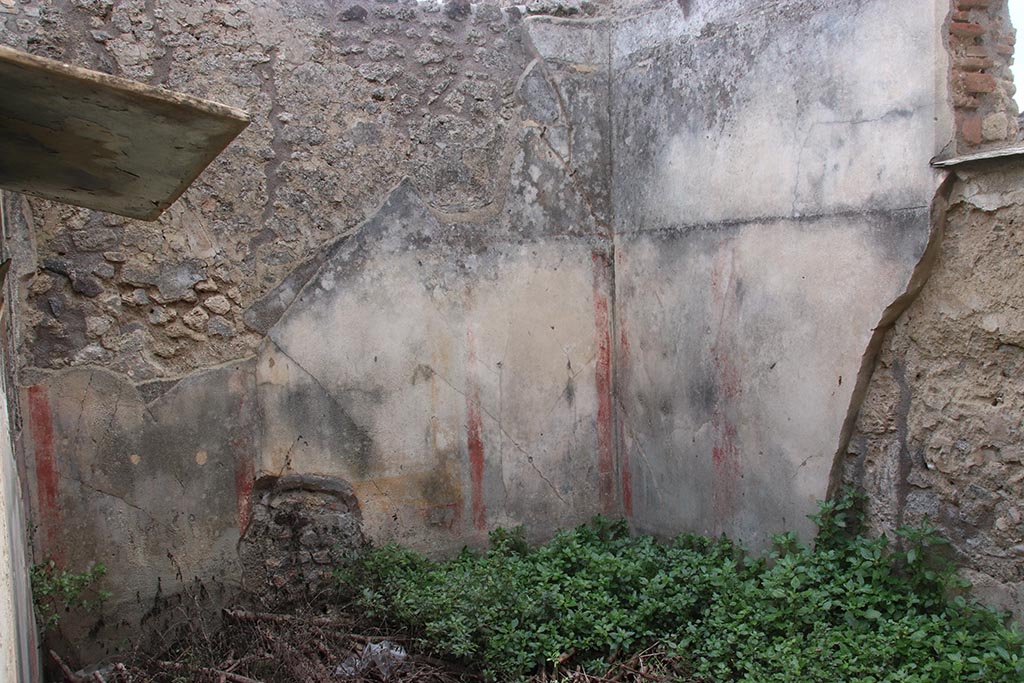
x=56, y=591
x=848, y=608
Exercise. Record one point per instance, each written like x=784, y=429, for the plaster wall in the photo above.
x=456, y=386
x=443, y=350
x=19, y=659
x=771, y=188
x=18, y=656
x=151, y=480
x=486, y=267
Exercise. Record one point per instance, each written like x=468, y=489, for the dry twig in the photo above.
x=243, y=615
x=65, y=670
x=222, y=675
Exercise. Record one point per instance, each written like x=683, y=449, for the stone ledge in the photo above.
x=103, y=142
x=1001, y=153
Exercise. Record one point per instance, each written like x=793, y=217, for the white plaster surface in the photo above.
x=17, y=622
x=816, y=114
x=398, y=351
x=739, y=352
x=771, y=194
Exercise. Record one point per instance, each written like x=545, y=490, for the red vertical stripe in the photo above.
x=474, y=437
x=243, y=452
x=603, y=378
x=725, y=454
x=47, y=476
x=245, y=478
x=627, y=475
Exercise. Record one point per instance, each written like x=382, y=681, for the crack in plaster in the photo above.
x=572, y=378
x=919, y=276
x=309, y=374
x=627, y=421
x=892, y=113
x=81, y=409
x=141, y=509
x=503, y=431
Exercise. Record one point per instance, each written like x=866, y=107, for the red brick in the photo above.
x=978, y=82
x=972, y=4
x=976, y=51
x=1004, y=49
x=961, y=16
x=963, y=29
x=971, y=130
x=1010, y=38
x=974, y=63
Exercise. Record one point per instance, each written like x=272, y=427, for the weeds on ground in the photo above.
x=849, y=608
x=55, y=591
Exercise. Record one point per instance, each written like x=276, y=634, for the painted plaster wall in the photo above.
x=151, y=480
x=487, y=268
x=771, y=195
x=441, y=343
x=456, y=385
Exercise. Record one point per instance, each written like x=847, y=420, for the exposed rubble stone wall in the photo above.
x=981, y=40
x=301, y=529
x=346, y=99
x=940, y=435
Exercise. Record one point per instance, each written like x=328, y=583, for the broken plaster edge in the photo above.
x=919, y=276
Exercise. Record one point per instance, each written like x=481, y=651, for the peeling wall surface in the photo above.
x=938, y=439
x=939, y=435
x=439, y=344
x=18, y=656
x=19, y=659
x=480, y=265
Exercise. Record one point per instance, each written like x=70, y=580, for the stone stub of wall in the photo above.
x=981, y=43
x=939, y=435
x=301, y=528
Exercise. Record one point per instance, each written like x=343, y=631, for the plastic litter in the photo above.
x=385, y=656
